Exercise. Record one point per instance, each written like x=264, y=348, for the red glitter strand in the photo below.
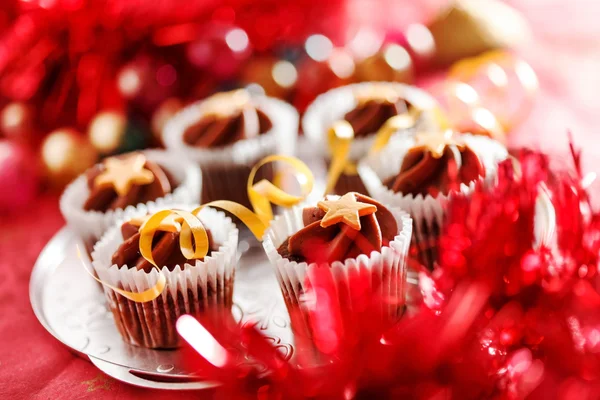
x=502, y=318
x=64, y=55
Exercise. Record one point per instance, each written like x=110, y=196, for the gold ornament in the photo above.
x=106, y=131
x=16, y=120
x=346, y=210
x=123, y=173
x=470, y=27
x=505, y=84
x=65, y=155
x=392, y=64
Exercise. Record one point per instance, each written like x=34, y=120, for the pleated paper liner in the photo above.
x=147, y=300
x=190, y=288
x=331, y=106
x=428, y=212
x=90, y=225
x=225, y=169
x=385, y=272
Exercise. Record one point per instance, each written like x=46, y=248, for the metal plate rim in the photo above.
x=40, y=269
x=48, y=260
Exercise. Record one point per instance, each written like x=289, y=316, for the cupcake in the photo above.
x=226, y=134
x=344, y=237
x=419, y=174
x=193, y=286
x=96, y=199
x=366, y=107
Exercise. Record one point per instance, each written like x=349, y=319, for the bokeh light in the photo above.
x=318, y=47
x=237, y=40
x=341, y=63
x=397, y=57
x=420, y=39
x=285, y=74
x=365, y=43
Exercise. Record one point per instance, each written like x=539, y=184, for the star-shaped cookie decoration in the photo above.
x=436, y=142
x=376, y=92
x=345, y=210
x=122, y=173
x=227, y=103
x=172, y=223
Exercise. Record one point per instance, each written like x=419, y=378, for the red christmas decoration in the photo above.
x=67, y=55
x=506, y=316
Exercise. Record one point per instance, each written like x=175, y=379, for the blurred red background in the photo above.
x=564, y=52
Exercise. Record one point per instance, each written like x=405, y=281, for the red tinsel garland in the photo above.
x=65, y=55
x=502, y=318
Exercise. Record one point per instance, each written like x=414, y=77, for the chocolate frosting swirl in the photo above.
x=215, y=130
x=369, y=116
x=338, y=242
x=106, y=198
x=423, y=173
x=165, y=249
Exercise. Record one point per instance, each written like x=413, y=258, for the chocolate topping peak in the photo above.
x=321, y=241
x=375, y=105
x=122, y=181
x=436, y=164
x=228, y=117
x=166, y=250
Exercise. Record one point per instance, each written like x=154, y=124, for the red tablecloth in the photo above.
x=566, y=55
x=32, y=363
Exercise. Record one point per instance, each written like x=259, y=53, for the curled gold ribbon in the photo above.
x=384, y=134
x=139, y=297
x=341, y=135
x=193, y=237
x=248, y=218
x=193, y=241
x=263, y=193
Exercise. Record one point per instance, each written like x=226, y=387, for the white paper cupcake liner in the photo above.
x=225, y=169
x=190, y=289
x=334, y=104
x=385, y=272
x=90, y=225
x=280, y=139
x=428, y=212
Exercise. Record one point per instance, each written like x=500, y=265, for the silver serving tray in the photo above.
x=72, y=307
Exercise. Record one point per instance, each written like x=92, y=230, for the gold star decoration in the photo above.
x=376, y=92
x=436, y=142
x=346, y=210
x=172, y=223
x=227, y=103
x=122, y=173
x=101, y=381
